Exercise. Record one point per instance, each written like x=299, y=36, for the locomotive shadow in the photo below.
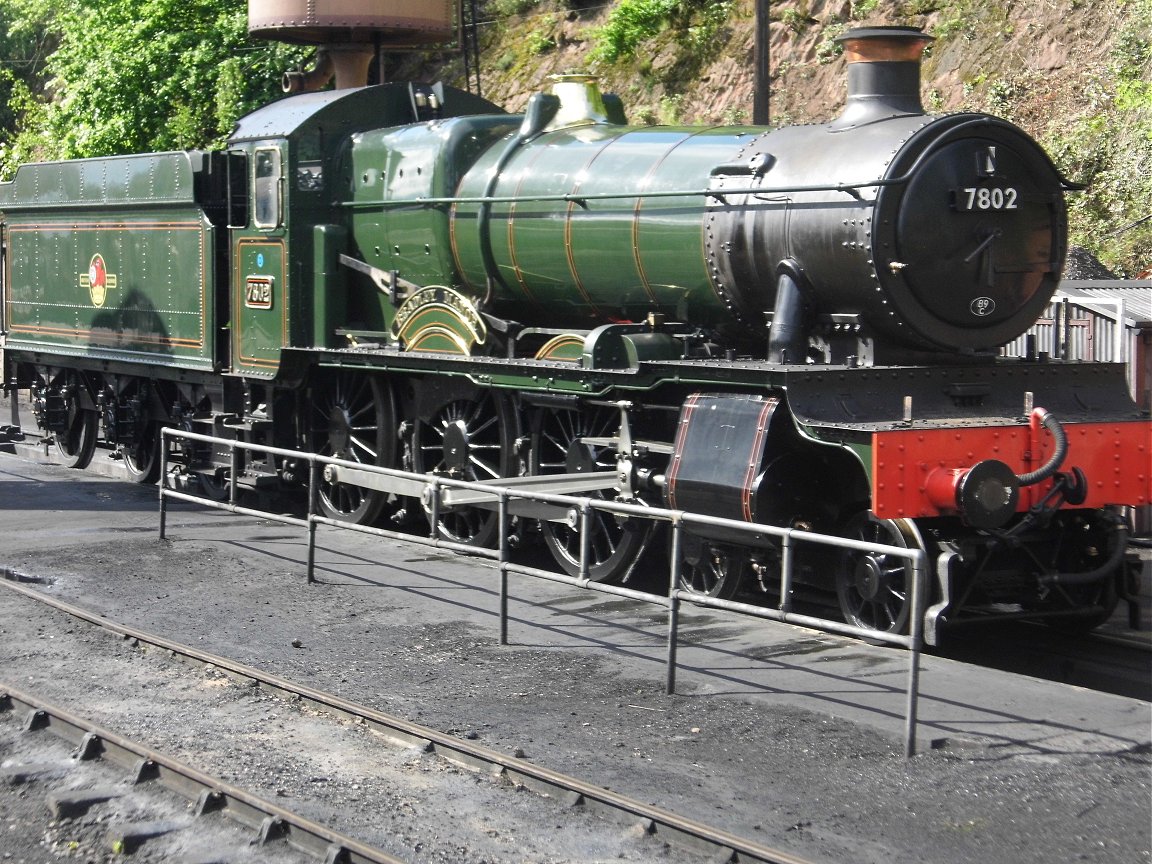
x=983, y=732
x=23, y=493
x=135, y=324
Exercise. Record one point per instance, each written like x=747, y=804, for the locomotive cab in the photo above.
x=307, y=191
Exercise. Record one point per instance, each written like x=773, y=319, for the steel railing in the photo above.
x=431, y=489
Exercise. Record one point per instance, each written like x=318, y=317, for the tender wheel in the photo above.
x=557, y=448
x=354, y=418
x=468, y=439
x=712, y=569
x=874, y=588
x=76, y=428
x=142, y=459
x=126, y=420
x=76, y=446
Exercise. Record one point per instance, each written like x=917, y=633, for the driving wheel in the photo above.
x=354, y=418
x=558, y=447
x=471, y=439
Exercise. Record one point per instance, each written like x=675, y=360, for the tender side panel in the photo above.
x=112, y=258
x=111, y=287
x=1116, y=458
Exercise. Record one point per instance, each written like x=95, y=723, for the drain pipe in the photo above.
x=314, y=79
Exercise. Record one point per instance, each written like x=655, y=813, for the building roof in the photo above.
x=1135, y=294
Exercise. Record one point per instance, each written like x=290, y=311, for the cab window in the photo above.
x=267, y=188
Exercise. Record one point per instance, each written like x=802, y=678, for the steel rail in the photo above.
x=210, y=793
x=656, y=822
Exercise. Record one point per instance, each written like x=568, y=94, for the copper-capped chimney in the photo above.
x=883, y=73
x=348, y=32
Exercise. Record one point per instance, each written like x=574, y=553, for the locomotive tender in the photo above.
x=793, y=327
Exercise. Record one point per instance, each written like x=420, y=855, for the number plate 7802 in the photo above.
x=986, y=198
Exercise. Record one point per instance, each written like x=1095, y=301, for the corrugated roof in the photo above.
x=1136, y=295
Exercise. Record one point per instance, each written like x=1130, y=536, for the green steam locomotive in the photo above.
x=795, y=327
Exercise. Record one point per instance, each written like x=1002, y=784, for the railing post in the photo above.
x=163, y=480
x=434, y=530
x=916, y=636
x=313, y=494
x=585, y=539
x=786, y=556
x=233, y=474
x=503, y=522
x=674, y=602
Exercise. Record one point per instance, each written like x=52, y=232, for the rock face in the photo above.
x=1026, y=56
x=1073, y=73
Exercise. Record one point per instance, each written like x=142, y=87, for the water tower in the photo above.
x=348, y=33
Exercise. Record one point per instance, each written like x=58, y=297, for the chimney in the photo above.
x=883, y=74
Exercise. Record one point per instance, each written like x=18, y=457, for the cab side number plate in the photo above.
x=258, y=292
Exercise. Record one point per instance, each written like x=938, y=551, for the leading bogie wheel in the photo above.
x=713, y=569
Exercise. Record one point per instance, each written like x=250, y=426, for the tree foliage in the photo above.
x=132, y=76
x=630, y=23
x=24, y=48
x=1108, y=147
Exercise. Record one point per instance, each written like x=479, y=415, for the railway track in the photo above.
x=658, y=825
x=71, y=798
x=412, y=633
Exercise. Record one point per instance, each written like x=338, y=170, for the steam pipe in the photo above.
x=788, y=340
x=1052, y=465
